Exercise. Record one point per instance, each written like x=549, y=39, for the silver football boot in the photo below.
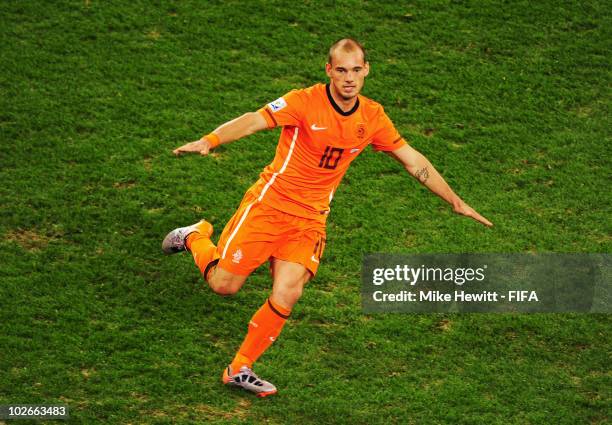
x=247, y=379
x=175, y=240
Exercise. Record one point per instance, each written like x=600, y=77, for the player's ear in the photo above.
x=366, y=68
x=328, y=69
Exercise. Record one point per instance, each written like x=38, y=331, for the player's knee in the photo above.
x=289, y=294
x=296, y=291
x=224, y=285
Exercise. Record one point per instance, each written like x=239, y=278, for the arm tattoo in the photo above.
x=422, y=175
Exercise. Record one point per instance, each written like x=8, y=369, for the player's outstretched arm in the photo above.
x=240, y=127
x=420, y=167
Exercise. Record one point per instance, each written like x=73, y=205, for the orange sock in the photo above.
x=202, y=249
x=264, y=327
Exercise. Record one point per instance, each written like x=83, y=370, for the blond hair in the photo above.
x=347, y=45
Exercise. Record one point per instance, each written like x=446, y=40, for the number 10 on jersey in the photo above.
x=331, y=157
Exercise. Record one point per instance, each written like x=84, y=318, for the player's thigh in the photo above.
x=304, y=246
x=248, y=239
x=289, y=281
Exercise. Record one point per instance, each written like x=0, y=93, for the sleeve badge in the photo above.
x=277, y=105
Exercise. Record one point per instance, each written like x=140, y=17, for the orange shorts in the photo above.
x=258, y=232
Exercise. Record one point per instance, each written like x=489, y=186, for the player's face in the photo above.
x=347, y=73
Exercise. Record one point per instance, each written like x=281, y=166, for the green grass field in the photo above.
x=509, y=100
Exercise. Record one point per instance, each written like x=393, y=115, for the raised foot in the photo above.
x=175, y=240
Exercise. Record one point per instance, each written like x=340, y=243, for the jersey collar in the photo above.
x=335, y=105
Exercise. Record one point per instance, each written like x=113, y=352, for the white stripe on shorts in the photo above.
x=236, y=230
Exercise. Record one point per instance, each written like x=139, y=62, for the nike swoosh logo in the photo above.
x=354, y=150
x=313, y=258
x=315, y=128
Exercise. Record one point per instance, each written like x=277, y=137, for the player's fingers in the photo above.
x=481, y=219
x=180, y=151
x=187, y=148
x=204, y=148
x=487, y=223
x=468, y=211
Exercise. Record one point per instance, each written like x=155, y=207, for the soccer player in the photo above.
x=282, y=216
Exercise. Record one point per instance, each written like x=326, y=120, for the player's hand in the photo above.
x=464, y=209
x=201, y=146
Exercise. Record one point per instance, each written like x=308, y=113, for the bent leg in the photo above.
x=206, y=258
x=224, y=282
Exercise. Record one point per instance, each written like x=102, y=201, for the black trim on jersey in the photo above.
x=271, y=116
x=335, y=105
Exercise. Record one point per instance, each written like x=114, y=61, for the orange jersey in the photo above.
x=316, y=146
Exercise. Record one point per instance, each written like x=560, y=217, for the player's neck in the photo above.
x=345, y=104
